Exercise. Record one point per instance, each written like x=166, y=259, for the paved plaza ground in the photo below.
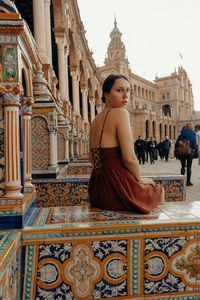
x=173, y=167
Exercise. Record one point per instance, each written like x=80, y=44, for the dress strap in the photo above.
x=103, y=128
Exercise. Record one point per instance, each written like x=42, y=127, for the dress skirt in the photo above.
x=113, y=187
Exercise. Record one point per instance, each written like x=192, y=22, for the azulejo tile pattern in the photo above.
x=61, y=193
x=79, y=169
x=2, y=157
x=74, y=190
x=91, y=254
x=40, y=141
x=10, y=264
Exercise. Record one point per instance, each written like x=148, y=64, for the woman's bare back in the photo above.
x=109, y=135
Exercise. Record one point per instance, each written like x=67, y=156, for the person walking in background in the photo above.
x=187, y=133
x=151, y=150
x=156, y=149
x=166, y=148
x=197, y=130
x=171, y=150
x=139, y=146
x=160, y=150
x=146, y=153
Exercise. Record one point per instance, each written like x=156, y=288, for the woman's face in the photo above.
x=119, y=94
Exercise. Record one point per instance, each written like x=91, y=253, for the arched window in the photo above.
x=154, y=128
x=170, y=132
x=160, y=130
x=147, y=128
x=166, y=110
x=165, y=129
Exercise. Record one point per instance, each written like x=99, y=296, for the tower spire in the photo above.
x=115, y=21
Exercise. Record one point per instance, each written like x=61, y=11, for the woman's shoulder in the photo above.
x=119, y=112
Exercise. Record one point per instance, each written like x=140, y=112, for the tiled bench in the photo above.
x=86, y=253
x=73, y=190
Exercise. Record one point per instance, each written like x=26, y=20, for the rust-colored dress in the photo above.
x=113, y=187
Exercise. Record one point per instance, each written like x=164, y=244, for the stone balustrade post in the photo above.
x=53, y=148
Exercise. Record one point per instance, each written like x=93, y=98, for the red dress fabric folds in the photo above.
x=113, y=187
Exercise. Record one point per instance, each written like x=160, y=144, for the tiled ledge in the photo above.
x=124, y=255
x=73, y=190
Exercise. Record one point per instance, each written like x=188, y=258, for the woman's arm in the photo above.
x=125, y=139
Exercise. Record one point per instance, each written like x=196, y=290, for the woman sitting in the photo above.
x=116, y=183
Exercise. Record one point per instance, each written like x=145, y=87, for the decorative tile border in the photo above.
x=74, y=190
x=126, y=263
x=10, y=264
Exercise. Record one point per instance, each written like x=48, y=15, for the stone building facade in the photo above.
x=158, y=108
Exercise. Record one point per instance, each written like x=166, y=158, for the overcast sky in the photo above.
x=154, y=32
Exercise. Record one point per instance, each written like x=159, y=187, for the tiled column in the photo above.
x=27, y=113
x=48, y=30
x=12, y=186
x=39, y=26
x=84, y=92
x=75, y=81
x=92, y=110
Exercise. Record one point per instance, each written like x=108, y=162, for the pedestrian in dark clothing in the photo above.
x=139, y=145
x=156, y=149
x=151, y=150
x=166, y=147
x=146, y=153
x=187, y=134
x=160, y=150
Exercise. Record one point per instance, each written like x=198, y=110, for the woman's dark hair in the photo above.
x=108, y=83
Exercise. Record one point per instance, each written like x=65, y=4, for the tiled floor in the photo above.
x=84, y=215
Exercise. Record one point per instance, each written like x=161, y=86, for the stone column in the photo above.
x=84, y=92
x=66, y=53
x=61, y=63
x=27, y=113
x=12, y=185
x=92, y=110
x=48, y=30
x=75, y=90
x=53, y=148
x=39, y=26
x=71, y=149
x=67, y=149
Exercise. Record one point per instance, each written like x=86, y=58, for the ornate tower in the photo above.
x=116, y=53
